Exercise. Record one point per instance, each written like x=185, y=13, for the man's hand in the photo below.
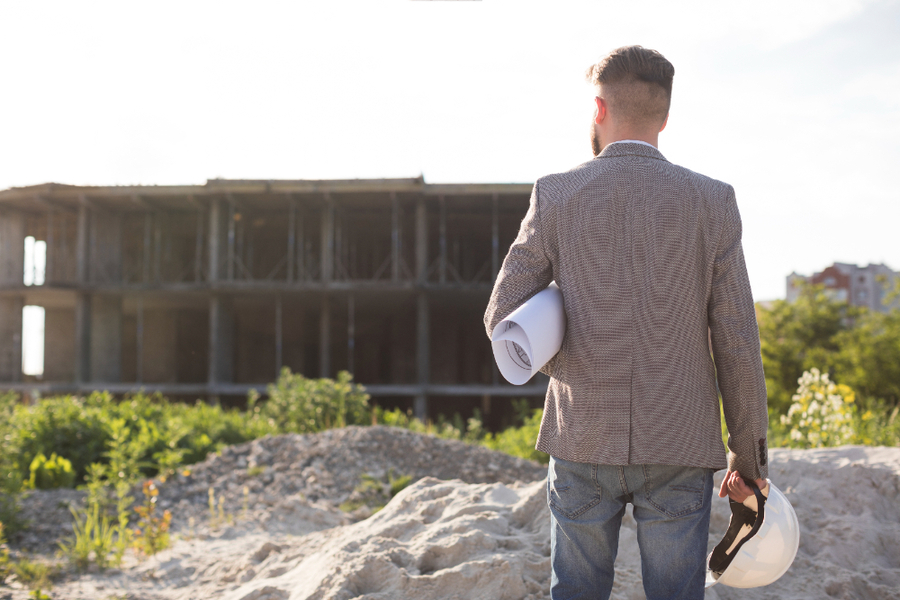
x=734, y=487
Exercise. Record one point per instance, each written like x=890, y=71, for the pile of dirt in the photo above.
x=473, y=524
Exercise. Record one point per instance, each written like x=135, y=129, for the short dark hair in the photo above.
x=637, y=82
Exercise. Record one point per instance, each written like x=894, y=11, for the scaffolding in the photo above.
x=209, y=290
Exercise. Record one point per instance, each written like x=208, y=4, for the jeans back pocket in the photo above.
x=677, y=491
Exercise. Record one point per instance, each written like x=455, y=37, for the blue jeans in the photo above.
x=671, y=508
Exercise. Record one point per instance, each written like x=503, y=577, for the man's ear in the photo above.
x=665, y=121
x=602, y=109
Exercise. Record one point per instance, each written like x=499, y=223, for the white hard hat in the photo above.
x=759, y=545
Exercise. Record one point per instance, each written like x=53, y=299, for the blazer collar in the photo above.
x=630, y=149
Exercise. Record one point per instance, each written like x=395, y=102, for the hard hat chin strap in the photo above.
x=745, y=523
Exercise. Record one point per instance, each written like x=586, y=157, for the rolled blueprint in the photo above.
x=530, y=336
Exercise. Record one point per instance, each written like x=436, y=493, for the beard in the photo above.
x=596, y=146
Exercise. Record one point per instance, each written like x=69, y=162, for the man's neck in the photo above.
x=632, y=142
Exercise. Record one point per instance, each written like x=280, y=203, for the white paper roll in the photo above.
x=530, y=336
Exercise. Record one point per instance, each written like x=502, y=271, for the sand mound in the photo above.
x=455, y=539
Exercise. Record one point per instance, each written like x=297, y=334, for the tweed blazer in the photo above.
x=648, y=257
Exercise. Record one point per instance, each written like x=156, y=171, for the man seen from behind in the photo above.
x=649, y=261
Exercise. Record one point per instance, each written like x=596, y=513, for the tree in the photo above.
x=796, y=337
x=869, y=357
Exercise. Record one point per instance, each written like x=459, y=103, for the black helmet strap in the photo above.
x=745, y=524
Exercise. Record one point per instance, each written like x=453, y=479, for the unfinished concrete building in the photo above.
x=208, y=291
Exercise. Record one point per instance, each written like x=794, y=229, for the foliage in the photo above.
x=877, y=425
x=10, y=481
x=821, y=414
x=11, y=515
x=148, y=434
x=520, y=441
x=798, y=336
x=93, y=538
x=5, y=567
x=869, y=356
x=297, y=404
x=34, y=574
x=375, y=491
x=49, y=473
x=153, y=534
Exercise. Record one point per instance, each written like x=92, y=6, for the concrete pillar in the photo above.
x=159, y=346
x=325, y=338
x=395, y=238
x=421, y=240
x=12, y=249
x=11, y=337
x=442, y=240
x=279, y=336
x=59, y=351
x=105, y=254
x=422, y=353
x=292, y=236
x=231, y=250
x=83, y=337
x=495, y=238
x=148, y=249
x=221, y=339
x=216, y=239
x=106, y=338
x=82, y=243
x=351, y=333
x=198, y=246
x=327, y=240
x=50, y=259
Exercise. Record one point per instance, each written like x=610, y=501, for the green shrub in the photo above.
x=520, y=441
x=93, y=538
x=300, y=405
x=50, y=473
x=879, y=425
x=11, y=515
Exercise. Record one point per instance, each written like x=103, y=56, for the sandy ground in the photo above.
x=447, y=538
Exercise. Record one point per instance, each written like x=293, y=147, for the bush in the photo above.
x=520, y=441
x=300, y=405
x=153, y=434
x=50, y=473
x=821, y=413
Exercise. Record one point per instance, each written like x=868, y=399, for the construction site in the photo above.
x=208, y=291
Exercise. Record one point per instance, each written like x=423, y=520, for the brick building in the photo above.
x=860, y=286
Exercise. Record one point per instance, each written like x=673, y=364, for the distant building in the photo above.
x=859, y=286
x=209, y=290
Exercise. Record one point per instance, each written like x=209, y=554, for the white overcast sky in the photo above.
x=795, y=103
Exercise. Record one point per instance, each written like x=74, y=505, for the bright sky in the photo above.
x=796, y=103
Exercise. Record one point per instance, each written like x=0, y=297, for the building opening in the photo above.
x=33, y=340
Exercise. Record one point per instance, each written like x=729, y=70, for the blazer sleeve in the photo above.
x=526, y=270
x=736, y=352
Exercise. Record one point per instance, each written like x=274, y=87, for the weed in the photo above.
x=255, y=471
x=5, y=566
x=213, y=520
x=34, y=575
x=375, y=492
x=153, y=534
x=39, y=595
x=11, y=515
x=93, y=538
